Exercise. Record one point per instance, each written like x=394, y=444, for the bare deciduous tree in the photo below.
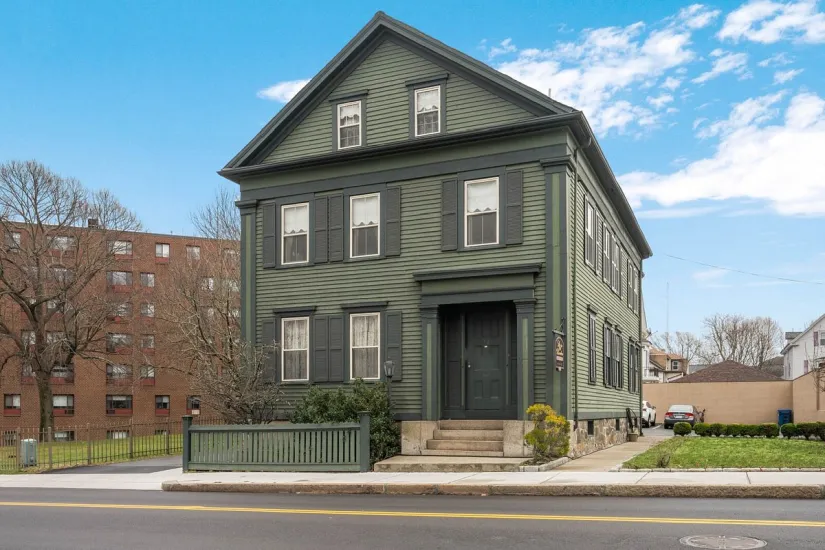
x=747, y=340
x=55, y=307
x=685, y=344
x=200, y=310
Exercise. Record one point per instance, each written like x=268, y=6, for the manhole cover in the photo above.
x=721, y=541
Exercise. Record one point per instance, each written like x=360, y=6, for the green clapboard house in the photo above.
x=413, y=207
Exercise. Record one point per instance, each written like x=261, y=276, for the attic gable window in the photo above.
x=428, y=111
x=349, y=124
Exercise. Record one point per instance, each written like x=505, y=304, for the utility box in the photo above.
x=28, y=453
x=785, y=416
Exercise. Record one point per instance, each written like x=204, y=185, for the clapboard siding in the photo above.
x=589, y=289
x=327, y=286
x=384, y=73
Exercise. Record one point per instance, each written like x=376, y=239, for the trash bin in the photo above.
x=28, y=452
x=785, y=416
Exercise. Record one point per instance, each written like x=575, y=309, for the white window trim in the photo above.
x=377, y=224
x=416, y=113
x=590, y=229
x=284, y=350
x=338, y=123
x=377, y=315
x=284, y=236
x=165, y=250
x=467, y=214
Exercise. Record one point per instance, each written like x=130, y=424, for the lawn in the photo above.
x=707, y=452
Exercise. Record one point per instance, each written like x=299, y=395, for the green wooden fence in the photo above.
x=341, y=447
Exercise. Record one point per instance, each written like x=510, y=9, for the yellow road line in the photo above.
x=439, y=515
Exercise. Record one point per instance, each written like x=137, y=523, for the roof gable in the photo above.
x=368, y=38
x=728, y=371
x=802, y=335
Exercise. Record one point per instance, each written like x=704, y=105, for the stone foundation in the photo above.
x=604, y=435
x=415, y=434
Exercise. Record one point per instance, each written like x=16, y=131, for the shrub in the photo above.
x=701, y=429
x=820, y=430
x=716, y=429
x=550, y=436
x=789, y=430
x=752, y=430
x=682, y=428
x=769, y=430
x=807, y=429
x=343, y=405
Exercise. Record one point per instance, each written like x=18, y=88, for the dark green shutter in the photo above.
x=598, y=263
x=335, y=349
x=513, y=212
x=449, y=215
x=321, y=233
x=336, y=228
x=268, y=332
x=393, y=327
x=270, y=234
x=320, y=339
x=392, y=233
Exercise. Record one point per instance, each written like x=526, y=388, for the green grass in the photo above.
x=707, y=452
x=105, y=451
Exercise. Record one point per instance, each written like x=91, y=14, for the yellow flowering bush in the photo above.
x=550, y=436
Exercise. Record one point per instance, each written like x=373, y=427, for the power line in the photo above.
x=762, y=275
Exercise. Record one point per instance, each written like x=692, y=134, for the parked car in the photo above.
x=681, y=413
x=648, y=414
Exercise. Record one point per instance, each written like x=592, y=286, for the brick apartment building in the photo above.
x=128, y=387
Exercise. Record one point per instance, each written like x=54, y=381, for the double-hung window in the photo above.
x=162, y=250
x=589, y=233
x=119, y=278
x=295, y=349
x=349, y=124
x=608, y=349
x=618, y=354
x=120, y=248
x=365, y=221
x=614, y=262
x=607, y=249
x=635, y=290
x=11, y=401
x=193, y=252
x=481, y=212
x=116, y=404
x=63, y=404
x=294, y=233
x=428, y=111
x=591, y=343
x=364, y=337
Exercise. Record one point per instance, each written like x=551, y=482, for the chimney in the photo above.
x=549, y=92
x=92, y=223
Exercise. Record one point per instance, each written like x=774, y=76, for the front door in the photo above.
x=486, y=359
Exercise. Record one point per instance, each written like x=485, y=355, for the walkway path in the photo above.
x=610, y=458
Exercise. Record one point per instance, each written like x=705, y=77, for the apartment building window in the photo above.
x=365, y=218
x=295, y=349
x=481, y=212
x=63, y=436
x=591, y=344
x=13, y=240
x=230, y=255
x=147, y=375
x=207, y=283
x=118, y=374
x=162, y=405
x=231, y=285
x=122, y=311
x=349, y=124
x=63, y=405
x=428, y=111
x=162, y=250
x=118, y=404
x=119, y=278
x=674, y=365
x=55, y=337
x=147, y=341
x=607, y=367
x=294, y=233
x=589, y=234
x=364, y=337
x=28, y=337
x=120, y=248
x=11, y=404
x=193, y=404
x=53, y=306
x=193, y=252
x=147, y=310
x=117, y=434
x=62, y=275
x=147, y=280
x=118, y=342
x=62, y=373
x=63, y=243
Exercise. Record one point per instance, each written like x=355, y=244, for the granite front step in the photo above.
x=471, y=424
x=403, y=463
x=450, y=452
x=464, y=445
x=470, y=435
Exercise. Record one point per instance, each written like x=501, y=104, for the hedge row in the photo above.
x=804, y=429
x=736, y=430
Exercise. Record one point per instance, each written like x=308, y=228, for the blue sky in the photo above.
x=711, y=115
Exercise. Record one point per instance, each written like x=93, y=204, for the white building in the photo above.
x=804, y=350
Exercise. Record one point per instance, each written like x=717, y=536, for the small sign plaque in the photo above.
x=558, y=348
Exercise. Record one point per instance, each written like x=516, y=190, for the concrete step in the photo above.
x=450, y=452
x=459, y=445
x=470, y=435
x=401, y=463
x=471, y=424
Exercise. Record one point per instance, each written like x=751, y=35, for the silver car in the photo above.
x=681, y=413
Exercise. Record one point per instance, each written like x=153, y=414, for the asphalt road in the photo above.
x=75, y=519
x=145, y=466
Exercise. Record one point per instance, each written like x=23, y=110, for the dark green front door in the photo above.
x=486, y=359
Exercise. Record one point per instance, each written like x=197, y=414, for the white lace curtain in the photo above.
x=428, y=101
x=349, y=115
x=296, y=335
x=482, y=196
x=365, y=211
x=296, y=220
x=364, y=331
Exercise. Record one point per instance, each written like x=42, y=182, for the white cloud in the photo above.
x=725, y=62
x=699, y=121
x=781, y=77
x=709, y=275
x=660, y=101
x=282, y=91
x=670, y=213
x=697, y=16
x=777, y=164
x=777, y=60
x=505, y=46
x=671, y=83
x=766, y=22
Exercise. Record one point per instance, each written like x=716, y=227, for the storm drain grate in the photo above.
x=723, y=542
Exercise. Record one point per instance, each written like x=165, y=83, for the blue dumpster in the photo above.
x=785, y=416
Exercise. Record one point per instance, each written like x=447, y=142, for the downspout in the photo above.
x=572, y=326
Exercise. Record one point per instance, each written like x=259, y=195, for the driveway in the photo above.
x=658, y=431
x=147, y=466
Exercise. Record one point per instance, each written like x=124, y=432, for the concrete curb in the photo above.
x=545, y=467
x=808, y=492
x=695, y=470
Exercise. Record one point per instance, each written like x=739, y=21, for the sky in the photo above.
x=711, y=115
